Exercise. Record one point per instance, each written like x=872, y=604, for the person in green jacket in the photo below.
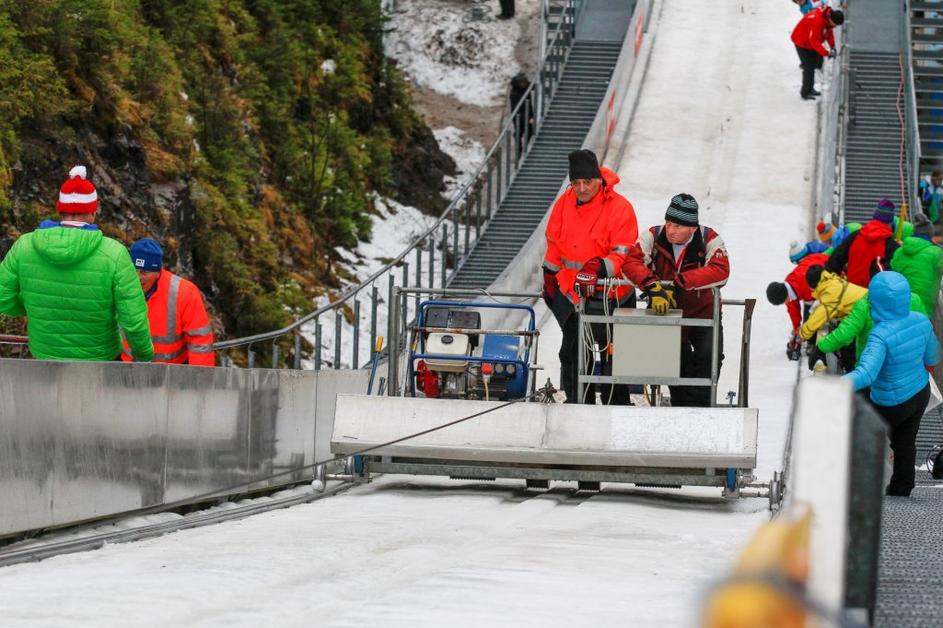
x=74, y=285
x=921, y=262
x=857, y=326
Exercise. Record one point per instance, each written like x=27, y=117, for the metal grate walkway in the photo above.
x=927, y=52
x=910, y=586
x=572, y=110
x=872, y=158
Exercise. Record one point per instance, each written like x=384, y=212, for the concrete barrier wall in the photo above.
x=81, y=441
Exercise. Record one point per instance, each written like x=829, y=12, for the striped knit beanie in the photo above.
x=77, y=195
x=885, y=211
x=682, y=210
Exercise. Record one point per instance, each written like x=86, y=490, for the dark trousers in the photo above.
x=904, y=421
x=507, y=8
x=810, y=61
x=569, y=357
x=846, y=358
x=696, y=352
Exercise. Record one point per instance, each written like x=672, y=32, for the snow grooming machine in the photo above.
x=516, y=438
x=452, y=357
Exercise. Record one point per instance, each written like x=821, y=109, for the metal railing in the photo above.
x=911, y=174
x=838, y=112
x=436, y=254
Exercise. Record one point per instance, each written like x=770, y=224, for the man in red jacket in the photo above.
x=797, y=295
x=589, y=233
x=809, y=37
x=694, y=258
x=180, y=328
x=858, y=251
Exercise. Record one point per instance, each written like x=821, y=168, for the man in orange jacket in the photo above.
x=590, y=231
x=180, y=328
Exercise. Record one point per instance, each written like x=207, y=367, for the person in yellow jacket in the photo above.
x=835, y=297
x=180, y=327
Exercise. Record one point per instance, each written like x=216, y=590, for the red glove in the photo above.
x=551, y=287
x=587, y=276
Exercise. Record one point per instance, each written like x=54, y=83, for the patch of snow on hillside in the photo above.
x=467, y=153
x=440, y=47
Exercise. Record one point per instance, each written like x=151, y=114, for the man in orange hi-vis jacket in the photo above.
x=180, y=328
x=589, y=234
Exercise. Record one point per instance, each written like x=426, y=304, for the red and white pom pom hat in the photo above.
x=77, y=195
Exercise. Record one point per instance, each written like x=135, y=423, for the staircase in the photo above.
x=926, y=23
x=872, y=154
x=534, y=188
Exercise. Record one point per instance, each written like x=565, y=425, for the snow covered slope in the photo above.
x=720, y=118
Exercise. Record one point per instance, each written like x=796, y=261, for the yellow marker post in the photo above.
x=899, y=233
x=761, y=591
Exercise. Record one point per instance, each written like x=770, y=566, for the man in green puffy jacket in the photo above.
x=921, y=262
x=74, y=285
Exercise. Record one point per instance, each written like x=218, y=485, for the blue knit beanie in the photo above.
x=147, y=255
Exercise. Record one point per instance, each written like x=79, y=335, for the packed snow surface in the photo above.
x=720, y=118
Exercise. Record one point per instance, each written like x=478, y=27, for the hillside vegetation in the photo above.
x=248, y=136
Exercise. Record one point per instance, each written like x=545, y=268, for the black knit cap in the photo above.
x=776, y=293
x=837, y=17
x=584, y=165
x=813, y=275
x=682, y=210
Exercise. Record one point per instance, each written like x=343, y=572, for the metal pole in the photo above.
x=478, y=212
x=392, y=385
x=317, y=344
x=715, y=347
x=404, y=314
x=445, y=253
x=743, y=395
x=296, y=361
x=467, y=209
x=337, y=338
x=431, y=261
x=392, y=341
x=250, y=358
x=580, y=367
x=374, y=298
x=499, y=168
x=274, y=354
x=454, y=239
x=356, y=357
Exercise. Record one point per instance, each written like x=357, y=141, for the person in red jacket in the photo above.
x=589, y=233
x=797, y=295
x=858, y=251
x=811, y=34
x=693, y=257
x=180, y=328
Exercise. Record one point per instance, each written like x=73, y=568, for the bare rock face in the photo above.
x=419, y=177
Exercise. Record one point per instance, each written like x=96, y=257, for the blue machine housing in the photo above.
x=496, y=349
x=503, y=350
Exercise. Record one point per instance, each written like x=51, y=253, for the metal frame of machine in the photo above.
x=539, y=443
x=714, y=322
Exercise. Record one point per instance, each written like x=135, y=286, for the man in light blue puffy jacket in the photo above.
x=894, y=364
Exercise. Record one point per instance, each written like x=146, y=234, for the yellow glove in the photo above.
x=661, y=300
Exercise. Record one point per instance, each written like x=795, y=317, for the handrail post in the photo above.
x=275, y=353
x=391, y=383
x=296, y=358
x=317, y=344
x=445, y=254
x=715, y=347
x=337, y=338
x=374, y=297
x=356, y=348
